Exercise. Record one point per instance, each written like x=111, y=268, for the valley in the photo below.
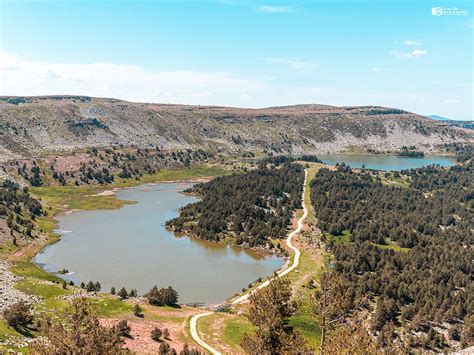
x=107, y=222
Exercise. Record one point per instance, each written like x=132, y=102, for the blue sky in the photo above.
x=243, y=53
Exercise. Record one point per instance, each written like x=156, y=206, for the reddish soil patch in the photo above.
x=69, y=163
x=140, y=340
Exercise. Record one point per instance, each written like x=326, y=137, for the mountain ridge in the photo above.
x=34, y=125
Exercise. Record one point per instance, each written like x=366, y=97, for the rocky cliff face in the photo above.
x=34, y=125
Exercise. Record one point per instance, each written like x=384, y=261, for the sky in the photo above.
x=244, y=53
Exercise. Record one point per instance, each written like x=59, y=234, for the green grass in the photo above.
x=393, y=246
x=109, y=307
x=32, y=287
x=231, y=333
x=307, y=327
x=341, y=239
x=7, y=248
x=97, y=203
x=6, y=331
x=234, y=330
x=193, y=172
x=391, y=180
x=51, y=293
x=78, y=197
x=28, y=269
x=46, y=224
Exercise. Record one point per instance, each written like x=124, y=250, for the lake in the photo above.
x=130, y=247
x=385, y=162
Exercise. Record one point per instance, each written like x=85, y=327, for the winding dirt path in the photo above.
x=243, y=298
x=195, y=335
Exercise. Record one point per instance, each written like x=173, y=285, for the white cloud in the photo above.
x=135, y=83
x=376, y=69
x=296, y=64
x=410, y=42
x=272, y=9
x=8, y=61
x=416, y=53
x=129, y=82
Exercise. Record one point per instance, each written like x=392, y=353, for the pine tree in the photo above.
x=123, y=294
x=90, y=286
x=270, y=310
x=137, y=310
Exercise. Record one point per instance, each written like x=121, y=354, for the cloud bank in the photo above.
x=23, y=77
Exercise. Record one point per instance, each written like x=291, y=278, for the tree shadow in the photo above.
x=26, y=331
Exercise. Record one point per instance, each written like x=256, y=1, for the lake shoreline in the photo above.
x=138, y=193
x=48, y=236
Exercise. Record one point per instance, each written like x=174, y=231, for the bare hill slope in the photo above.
x=32, y=125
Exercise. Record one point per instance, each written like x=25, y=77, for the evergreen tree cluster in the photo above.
x=433, y=205
x=162, y=296
x=91, y=286
x=430, y=283
x=18, y=208
x=105, y=164
x=252, y=207
x=463, y=151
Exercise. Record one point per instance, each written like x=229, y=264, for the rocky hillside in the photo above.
x=32, y=125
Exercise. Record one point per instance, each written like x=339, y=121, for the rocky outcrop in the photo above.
x=8, y=293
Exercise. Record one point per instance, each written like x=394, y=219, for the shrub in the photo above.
x=123, y=328
x=166, y=349
x=137, y=310
x=187, y=351
x=69, y=337
x=18, y=315
x=454, y=333
x=156, y=334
